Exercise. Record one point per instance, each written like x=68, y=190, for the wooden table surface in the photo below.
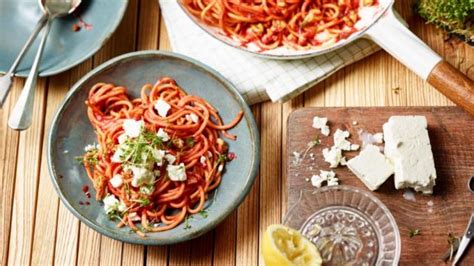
x=36, y=228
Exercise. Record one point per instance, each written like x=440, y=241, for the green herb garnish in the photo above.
x=203, y=213
x=221, y=158
x=413, y=232
x=139, y=151
x=190, y=142
x=92, y=157
x=313, y=143
x=186, y=222
x=142, y=201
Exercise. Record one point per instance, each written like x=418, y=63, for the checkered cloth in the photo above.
x=256, y=78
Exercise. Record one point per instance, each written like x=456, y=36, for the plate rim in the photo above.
x=48, y=73
x=250, y=180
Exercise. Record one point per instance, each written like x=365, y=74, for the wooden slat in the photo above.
x=26, y=183
x=133, y=255
x=180, y=254
x=270, y=183
x=67, y=233
x=334, y=89
x=164, y=43
x=156, y=255
x=225, y=241
x=202, y=249
x=248, y=217
x=148, y=25
x=363, y=82
x=110, y=251
x=89, y=246
x=67, y=237
x=47, y=202
x=315, y=95
x=8, y=157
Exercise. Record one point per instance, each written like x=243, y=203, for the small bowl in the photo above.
x=348, y=225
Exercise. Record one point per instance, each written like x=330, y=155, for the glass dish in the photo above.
x=348, y=225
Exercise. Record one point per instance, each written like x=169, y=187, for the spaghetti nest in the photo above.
x=296, y=24
x=158, y=156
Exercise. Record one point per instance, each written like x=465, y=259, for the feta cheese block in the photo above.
x=407, y=146
x=371, y=167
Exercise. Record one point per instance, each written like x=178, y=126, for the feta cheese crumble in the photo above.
x=170, y=158
x=297, y=158
x=158, y=155
x=122, y=138
x=192, y=117
x=116, y=181
x=111, y=204
x=333, y=156
x=133, y=216
x=371, y=167
x=340, y=140
x=324, y=176
x=141, y=176
x=90, y=147
x=176, y=172
x=118, y=154
x=132, y=127
x=321, y=123
x=202, y=160
x=378, y=138
x=163, y=135
x=162, y=107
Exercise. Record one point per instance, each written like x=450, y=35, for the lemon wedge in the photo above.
x=283, y=246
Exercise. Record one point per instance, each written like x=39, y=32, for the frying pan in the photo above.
x=383, y=26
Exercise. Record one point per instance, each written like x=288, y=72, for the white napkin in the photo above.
x=257, y=79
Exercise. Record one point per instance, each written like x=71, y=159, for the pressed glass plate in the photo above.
x=348, y=225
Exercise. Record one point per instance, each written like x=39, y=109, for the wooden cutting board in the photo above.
x=447, y=211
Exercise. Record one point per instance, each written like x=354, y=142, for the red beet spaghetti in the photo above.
x=158, y=156
x=296, y=24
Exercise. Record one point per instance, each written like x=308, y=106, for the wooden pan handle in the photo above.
x=453, y=84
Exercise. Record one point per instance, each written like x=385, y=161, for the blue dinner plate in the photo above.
x=64, y=48
x=71, y=131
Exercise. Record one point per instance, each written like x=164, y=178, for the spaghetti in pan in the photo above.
x=269, y=24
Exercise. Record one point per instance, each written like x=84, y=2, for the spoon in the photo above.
x=21, y=115
x=6, y=81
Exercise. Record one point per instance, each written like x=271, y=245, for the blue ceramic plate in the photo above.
x=71, y=131
x=64, y=47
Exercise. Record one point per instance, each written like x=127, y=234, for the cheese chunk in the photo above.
x=371, y=167
x=408, y=147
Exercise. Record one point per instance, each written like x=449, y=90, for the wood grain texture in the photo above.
x=47, y=206
x=248, y=217
x=453, y=149
x=8, y=156
x=26, y=182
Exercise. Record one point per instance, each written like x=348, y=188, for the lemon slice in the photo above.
x=283, y=246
